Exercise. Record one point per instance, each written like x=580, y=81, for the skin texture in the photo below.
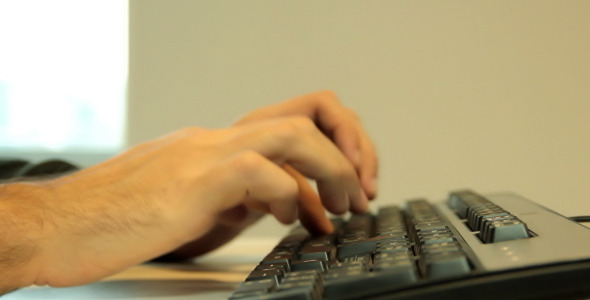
x=188, y=193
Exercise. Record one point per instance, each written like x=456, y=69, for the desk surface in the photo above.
x=214, y=276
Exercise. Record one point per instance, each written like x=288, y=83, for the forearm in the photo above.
x=22, y=230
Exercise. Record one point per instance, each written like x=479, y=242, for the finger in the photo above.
x=369, y=168
x=311, y=211
x=357, y=146
x=298, y=142
x=336, y=121
x=360, y=151
x=310, y=105
x=347, y=139
x=249, y=178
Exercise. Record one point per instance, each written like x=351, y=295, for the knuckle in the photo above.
x=327, y=96
x=192, y=130
x=301, y=123
x=343, y=170
x=293, y=126
x=247, y=162
x=289, y=191
x=190, y=134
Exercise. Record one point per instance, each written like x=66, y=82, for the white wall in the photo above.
x=491, y=95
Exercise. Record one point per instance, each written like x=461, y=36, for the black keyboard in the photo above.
x=467, y=247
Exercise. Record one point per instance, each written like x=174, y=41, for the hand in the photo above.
x=343, y=127
x=338, y=123
x=189, y=185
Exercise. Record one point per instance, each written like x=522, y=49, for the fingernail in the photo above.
x=362, y=205
x=371, y=187
x=365, y=201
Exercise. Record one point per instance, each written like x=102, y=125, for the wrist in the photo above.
x=25, y=224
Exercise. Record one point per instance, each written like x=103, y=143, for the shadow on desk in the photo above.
x=133, y=289
x=212, y=277
x=154, y=281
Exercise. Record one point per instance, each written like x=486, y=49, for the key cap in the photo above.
x=460, y=201
x=392, y=249
x=299, y=285
x=428, y=226
x=309, y=264
x=324, y=252
x=349, y=266
x=366, y=246
x=253, y=289
x=404, y=270
x=296, y=286
x=353, y=284
x=446, y=264
x=440, y=247
x=392, y=256
x=297, y=292
x=253, y=295
x=258, y=274
x=505, y=230
x=282, y=266
x=310, y=275
x=362, y=258
x=479, y=220
x=273, y=257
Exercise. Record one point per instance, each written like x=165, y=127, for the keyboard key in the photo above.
x=300, y=285
x=282, y=266
x=309, y=264
x=270, y=273
x=300, y=293
x=253, y=295
x=392, y=249
x=392, y=256
x=354, y=284
x=445, y=264
x=460, y=201
x=365, y=246
x=254, y=289
x=478, y=221
x=404, y=271
x=324, y=252
x=505, y=230
x=274, y=257
x=349, y=266
x=362, y=258
x=440, y=247
x=310, y=275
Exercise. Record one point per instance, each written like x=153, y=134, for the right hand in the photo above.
x=167, y=192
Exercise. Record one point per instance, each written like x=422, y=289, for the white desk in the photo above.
x=214, y=276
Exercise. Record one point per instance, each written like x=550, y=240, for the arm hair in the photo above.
x=20, y=228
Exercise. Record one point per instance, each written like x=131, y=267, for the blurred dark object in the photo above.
x=9, y=168
x=48, y=167
x=21, y=169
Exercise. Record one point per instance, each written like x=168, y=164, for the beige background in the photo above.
x=491, y=95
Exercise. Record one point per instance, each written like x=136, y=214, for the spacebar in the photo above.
x=365, y=285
